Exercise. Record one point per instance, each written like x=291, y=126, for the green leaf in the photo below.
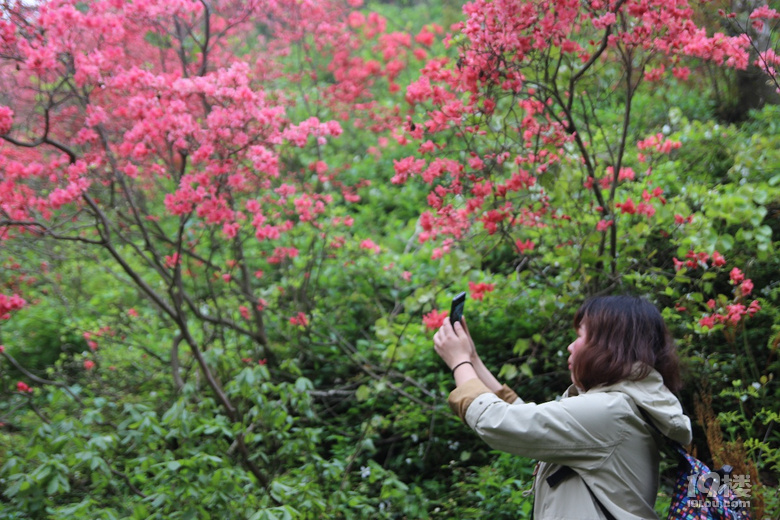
x=363, y=393
x=41, y=472
x=303, y=384
x=53, y=486
x=13, y=490
x=507, y=372
x=521, y=345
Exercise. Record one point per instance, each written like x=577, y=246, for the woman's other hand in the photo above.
x=485, y=375
x=474, y=355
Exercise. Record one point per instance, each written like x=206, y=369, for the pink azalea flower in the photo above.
x=434, y=319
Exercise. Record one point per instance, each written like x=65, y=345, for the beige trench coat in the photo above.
x=601, y=434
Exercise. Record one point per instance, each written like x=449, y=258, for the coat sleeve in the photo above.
x=461, y=398
x=581, y=432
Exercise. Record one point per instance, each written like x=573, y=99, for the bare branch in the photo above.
x=43, y=140
x=175, y=364
x=127, y=481
x=39, y=380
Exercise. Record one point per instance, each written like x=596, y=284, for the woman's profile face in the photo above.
x=575, y=347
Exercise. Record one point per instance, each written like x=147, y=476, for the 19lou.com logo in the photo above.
x=712, y=484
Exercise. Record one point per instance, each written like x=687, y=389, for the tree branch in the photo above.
x=40, y=380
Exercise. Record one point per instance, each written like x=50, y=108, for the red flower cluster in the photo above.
x=524, y=246
x=604, y=225
x=499, y=39
x=434, y=319
x=732, y=314
x=6, y=119
x=644, y=207
x=736, y=275
x=700, y=259
x=300, y=320
x=370, y=245
x=8, y=304
x=91, y=337
x=658, y=143
x=478, y=290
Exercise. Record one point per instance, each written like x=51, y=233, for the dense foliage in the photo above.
x=229, y=228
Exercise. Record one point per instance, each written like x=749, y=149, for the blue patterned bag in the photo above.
x=702, y=494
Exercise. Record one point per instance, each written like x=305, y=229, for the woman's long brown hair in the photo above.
x=621, y=331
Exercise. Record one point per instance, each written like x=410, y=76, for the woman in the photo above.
x=623, y=369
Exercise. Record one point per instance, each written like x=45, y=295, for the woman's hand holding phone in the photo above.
x=452, y=341
x=452, y=344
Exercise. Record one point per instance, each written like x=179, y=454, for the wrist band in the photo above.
x=459, y=364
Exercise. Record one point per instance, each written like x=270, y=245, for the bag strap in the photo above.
x=680, y=450
x=563, y=472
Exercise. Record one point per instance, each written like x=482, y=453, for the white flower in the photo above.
x=365, y=472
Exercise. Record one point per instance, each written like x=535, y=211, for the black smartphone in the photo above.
x=456, y=311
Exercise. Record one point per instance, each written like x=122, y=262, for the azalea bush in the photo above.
x=229, y=230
